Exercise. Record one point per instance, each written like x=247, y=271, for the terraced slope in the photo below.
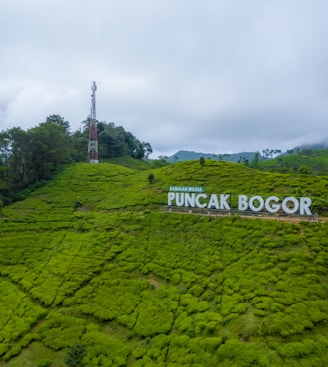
x=93, y=272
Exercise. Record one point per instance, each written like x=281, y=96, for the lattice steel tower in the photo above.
x=93, y=140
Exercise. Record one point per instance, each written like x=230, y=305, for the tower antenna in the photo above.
x=93, y=140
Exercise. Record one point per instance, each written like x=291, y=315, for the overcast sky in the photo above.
x=213, y=76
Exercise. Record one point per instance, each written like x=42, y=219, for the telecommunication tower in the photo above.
x=93, y=140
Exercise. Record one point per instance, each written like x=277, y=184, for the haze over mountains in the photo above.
x=185, y=155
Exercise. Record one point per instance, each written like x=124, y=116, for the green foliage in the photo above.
x=104, y=350
x=17, y=317
x=315, y=162
x=114, y=141
x=304, y=170
x=256, y=160
x=132, y=163
x=30, y=158
x=45, y=362
x=75, y=354
x=156, y=311
x=60, y=331
x=115, y=281
x=151, y=178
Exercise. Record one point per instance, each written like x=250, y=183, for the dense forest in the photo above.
x=33, y=156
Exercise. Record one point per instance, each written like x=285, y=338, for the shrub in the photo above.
x=77, y=204
x=75, y=354
x=44, y=362
x=151, y=178
x=304, y=170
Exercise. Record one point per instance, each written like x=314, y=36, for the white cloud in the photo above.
x=213, y=76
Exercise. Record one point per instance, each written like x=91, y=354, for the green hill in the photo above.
x=94, y=273
x=315, y=161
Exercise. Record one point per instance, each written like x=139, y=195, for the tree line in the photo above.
x=32, y=156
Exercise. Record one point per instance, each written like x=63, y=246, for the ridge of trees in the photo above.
x=30, y=157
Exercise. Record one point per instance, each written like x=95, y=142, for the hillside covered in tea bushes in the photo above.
x=312, y=161
x=94, y=273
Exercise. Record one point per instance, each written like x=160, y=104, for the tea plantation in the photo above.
x=94, y=273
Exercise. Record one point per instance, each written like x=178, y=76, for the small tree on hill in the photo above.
x=304, y=170
x=151, y=178
x=256, y=159
x=202, y=161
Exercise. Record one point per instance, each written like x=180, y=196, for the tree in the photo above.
x=147, y=149
x=79, y=146
x=245, y=161
x=4, y=148
x=4, y=169
x=151, y=178
x=50, y=148
x=202, y=161
x=114, y=141
x=57, y=119
x=304, y=170
x=256, y=158
x=19, y=146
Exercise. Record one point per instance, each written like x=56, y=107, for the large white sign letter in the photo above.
x=242, y=202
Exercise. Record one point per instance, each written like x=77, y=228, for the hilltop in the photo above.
x=314, y=159
x=187, y=155
x=92, y=271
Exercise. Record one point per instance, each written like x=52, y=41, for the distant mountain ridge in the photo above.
x=186, y=155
